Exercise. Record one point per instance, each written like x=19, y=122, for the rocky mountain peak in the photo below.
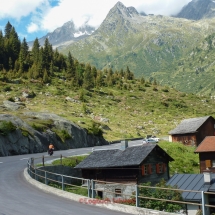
x=122, y=10
x=132, y=10
x=66, y=34
x=198, y=9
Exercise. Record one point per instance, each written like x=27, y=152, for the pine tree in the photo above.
x=7, y=30
x=35, y=52
x=99, y=79
x=2, y=51
x=109, y=79
x=13, y=47
x=45, y=76
x=23, y=57
x=88, y=82
x=70, y=67
x=128, y=74
x=47, y=54
x=142, y=80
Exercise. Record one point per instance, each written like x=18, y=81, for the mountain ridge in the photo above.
x=66, y=34
x=198, y=9
x=124, y=40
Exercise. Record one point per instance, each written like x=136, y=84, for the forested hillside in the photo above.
x=44, y=63
x=112, y=103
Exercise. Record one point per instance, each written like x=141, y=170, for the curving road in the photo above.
x=18, y=197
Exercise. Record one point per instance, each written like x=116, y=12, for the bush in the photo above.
x=95, y=129
x=165, y=90
x=7, y=88
x=161, y=194
x=6, y=127
x=11, y=99
x=63, y=134
x=39, y=127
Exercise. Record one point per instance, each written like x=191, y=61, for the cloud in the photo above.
x=95, y=11
x=47, y=15
x=32, y=27
x=18, y=8
x=164, y=7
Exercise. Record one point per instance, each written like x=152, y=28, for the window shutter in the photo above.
x=143, y=170
x=150, y=169
x=157, y=168
x=164, y=167
x=208, y=163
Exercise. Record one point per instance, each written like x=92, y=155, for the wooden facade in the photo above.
x=154, y=168
x=207, y=161
x=186, y=139
x=193, y=137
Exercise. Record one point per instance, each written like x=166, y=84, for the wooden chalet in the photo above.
x=206, y=151
x=137, y=164
x=193, y=131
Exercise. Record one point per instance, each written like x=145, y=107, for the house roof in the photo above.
x=131, y=156
x=193, y=182
x=207, y=145
x=189, y=125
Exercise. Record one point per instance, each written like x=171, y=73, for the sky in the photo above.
x=36, y=18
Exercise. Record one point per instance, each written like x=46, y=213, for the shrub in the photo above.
x=6, y=127
x=165, y=90
x=7, y=88
x=147, y=84
x=25, y=132
x=161, y=194
x=39, y=127
x=31, y=94
x=95, y=129
x=11, y=99
x=82, y=96
x=63, y=134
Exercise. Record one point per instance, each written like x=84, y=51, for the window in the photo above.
x=118, y=192
x=146, y=169
x=208, y=163
x=160, y=168
x=213, y=163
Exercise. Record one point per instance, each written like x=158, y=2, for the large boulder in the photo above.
x=26, y=139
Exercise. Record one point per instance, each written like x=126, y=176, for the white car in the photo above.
x=155, y=138
x=150, y=140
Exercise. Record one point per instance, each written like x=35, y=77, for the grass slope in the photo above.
x=195, y=72
x=134, y=111
x=150, y=46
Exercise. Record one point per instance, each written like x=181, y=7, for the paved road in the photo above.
x=18, y=197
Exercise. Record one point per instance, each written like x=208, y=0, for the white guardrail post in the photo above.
x=88, y=188
x=203, y=203
x=35, y=174
x=63, y=186
x=46, y=181
x=93, y=188
x=137, y=194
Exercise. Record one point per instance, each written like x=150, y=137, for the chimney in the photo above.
x=207, y=176
x=124, y=144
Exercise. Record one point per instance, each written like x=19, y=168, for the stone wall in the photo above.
x=108, y=190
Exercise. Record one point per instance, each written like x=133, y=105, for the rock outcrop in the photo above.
x=198, y=9
x=26, y=139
